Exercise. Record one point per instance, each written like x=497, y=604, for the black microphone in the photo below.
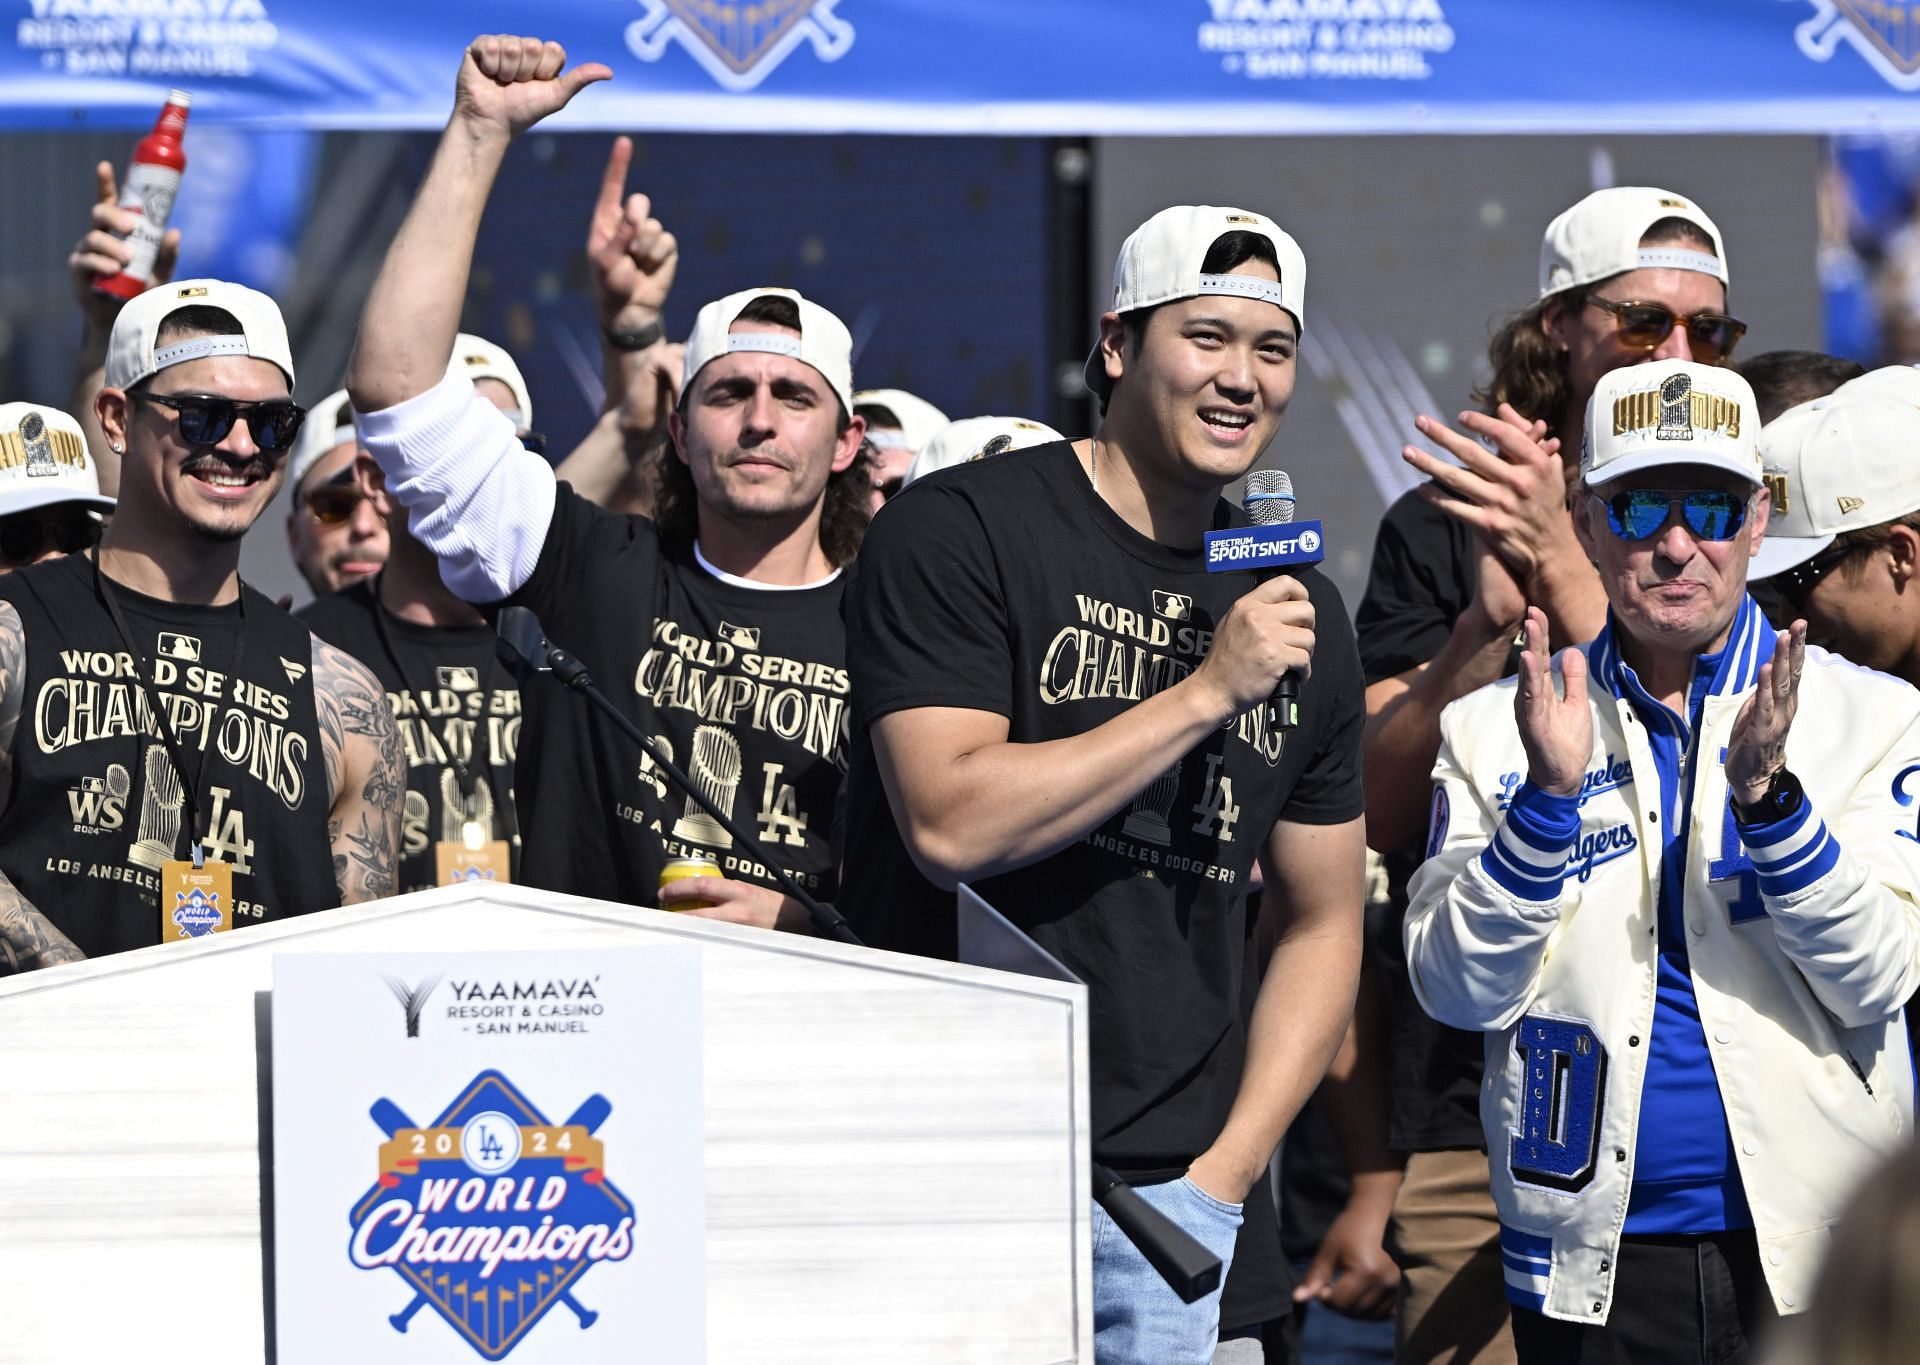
x=524, y=648
x=1189, y=1269
x=1268, y=501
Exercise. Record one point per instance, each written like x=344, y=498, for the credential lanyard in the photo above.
x=143, y=670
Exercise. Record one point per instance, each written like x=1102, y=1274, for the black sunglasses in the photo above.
x=25, y=536
x=1796, y=584
x=205, y=419
x=1640, y=513
x=1712, y=336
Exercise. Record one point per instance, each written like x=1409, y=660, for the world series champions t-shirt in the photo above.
x=458, y=710
x=1009, y=586
x=744, y=687
x=97, y=808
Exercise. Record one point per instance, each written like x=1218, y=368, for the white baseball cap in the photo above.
x=328, y=426
x=1840, y=463
x=918, y=419
x=974, y=438
x=824, y=342
x=1161, y=261
x=477, y=358
x=131, y=354
x=44, y=460
x=1600, y=237
x=1670, y=412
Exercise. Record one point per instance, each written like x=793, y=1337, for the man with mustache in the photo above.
x=716, y=625
x=177, y=754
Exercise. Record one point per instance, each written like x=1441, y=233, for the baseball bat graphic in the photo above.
x=590, y=1115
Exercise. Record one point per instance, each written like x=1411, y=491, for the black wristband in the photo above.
x=639, y=339
x=1782, y=798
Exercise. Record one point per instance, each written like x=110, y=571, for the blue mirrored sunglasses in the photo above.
x=1639, y=513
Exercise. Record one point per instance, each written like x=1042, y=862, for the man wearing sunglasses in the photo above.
x=180, y=755
x=336, y=536
x=50, y=501
x=1455, y=563
x=717, y=624
x=1843, y=550
x=1672, y=877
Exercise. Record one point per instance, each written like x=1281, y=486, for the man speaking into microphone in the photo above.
x=1058, y=704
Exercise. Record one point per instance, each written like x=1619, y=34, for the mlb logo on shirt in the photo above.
x=184, y=648
x=1175, y=606
x=741, y=637
x=459, y=678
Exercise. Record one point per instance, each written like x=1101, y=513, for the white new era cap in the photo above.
x=477, y=358
x=1840, y=463
x=918, y=419
x=975, y=438
x=131, y=355
x=44, y=460
x=1669, y=412
x=329, y=425
x=824, y=342
x=1161, y=262
x=1600, y=237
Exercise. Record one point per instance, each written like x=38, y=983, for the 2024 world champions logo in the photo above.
x=739, y=44
x=491, y=1214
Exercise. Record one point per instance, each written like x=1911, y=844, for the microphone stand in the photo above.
x=1189, y=1269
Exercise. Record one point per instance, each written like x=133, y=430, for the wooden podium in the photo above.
x=896, y=1149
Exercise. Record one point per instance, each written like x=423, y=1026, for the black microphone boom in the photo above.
x=524, y=648
x=1189, y=1269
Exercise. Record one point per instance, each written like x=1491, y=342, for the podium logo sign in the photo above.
x=491, y=1214
x=739, y=45
x=1885, y=32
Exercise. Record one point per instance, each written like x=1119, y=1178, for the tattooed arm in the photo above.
x=366, y=774
x=27, y=938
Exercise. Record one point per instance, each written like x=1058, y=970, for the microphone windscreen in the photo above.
x=1268, y=499
x=522, y=644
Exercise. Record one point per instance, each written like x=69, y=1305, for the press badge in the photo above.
x=473, y=858
x=195, y=901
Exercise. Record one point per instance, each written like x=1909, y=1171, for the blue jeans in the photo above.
x=1137, y=1320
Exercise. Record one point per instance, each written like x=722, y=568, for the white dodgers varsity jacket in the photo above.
x=1802, y=951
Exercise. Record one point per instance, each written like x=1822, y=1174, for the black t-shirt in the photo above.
x=1009, y=586
x=458, y=710
x=1421, y=579
x=97, y=808
x=745, y=686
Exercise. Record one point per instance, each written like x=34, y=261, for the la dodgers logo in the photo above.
x=196, y=912
x=1885, y=32
x=491, y=1214
x=739, y=45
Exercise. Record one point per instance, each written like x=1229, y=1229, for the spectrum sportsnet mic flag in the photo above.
x=489, y=1157
x=898, y=66
x=1287, y=545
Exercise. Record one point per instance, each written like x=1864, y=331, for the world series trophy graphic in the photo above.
x=715, y=768
x=1147, y=819
x=456, y=812
x=1676, y=409
x=491, y=1214
x=39, y=446
x=160, y=806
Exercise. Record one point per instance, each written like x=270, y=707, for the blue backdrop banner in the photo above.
x=996, y=66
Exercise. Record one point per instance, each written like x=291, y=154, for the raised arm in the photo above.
x=1315, y=880
x=366, y=774
x=506, y=85
x=970, y=803
x=474, y=497
x=104, y=251
x=27, y=937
